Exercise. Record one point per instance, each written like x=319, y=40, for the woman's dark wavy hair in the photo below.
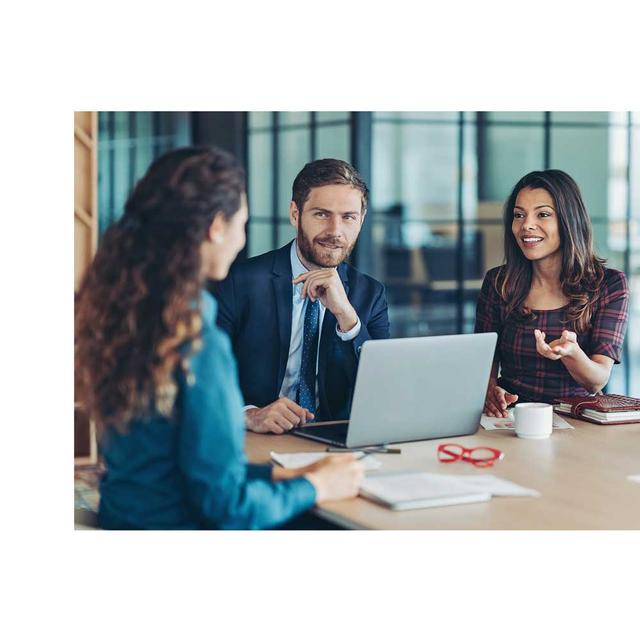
x=582, y=270
x=138, y=304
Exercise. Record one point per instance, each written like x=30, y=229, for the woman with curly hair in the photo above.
x=158, y=376
x=560, y=315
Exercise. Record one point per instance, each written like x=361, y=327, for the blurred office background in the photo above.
x=437, y=179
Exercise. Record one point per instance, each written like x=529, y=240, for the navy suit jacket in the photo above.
x=255, y=308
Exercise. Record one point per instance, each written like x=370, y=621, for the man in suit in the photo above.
x=298, y=316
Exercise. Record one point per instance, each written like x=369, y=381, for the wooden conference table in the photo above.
x=581, y=474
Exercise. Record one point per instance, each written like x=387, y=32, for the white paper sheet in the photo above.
x=297, y=460
x=496, y=486
x=507, y=424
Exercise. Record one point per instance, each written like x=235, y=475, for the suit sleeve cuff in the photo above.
x=351, y=334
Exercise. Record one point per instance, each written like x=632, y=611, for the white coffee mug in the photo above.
x=533, y=420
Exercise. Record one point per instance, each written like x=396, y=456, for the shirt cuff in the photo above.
x=248, y=406
x=351, y=334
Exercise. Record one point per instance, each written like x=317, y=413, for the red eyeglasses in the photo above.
x=478, y=456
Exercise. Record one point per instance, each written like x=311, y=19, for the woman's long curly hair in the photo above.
x=137, y=313
x=582, y=270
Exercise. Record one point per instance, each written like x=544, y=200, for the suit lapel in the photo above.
x=283, y=294
x=342, y=272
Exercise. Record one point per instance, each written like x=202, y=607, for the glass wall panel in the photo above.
x=332, y=116
x=415, y=172
x=260, y=119
x=294, y=117
x=260, y=237
x=617, y=380
x=508, y=154
x=633, y=332
x=294, y=151
x=515, y=116
x=635, y=181
x=469, y=171
x=333, y=142
x=590, y=117
x=260, y=182
x=286, y=233
x=446, y=116
x=422, y=236
x=127, y=144
x=584, y=154
x=609, y=241
x=145, y=142
x=121, y=166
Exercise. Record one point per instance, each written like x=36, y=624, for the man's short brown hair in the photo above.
x=321, y=173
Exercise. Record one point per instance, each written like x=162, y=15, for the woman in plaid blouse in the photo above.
x=560, y=315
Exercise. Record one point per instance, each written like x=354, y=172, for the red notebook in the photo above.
x=604, y=409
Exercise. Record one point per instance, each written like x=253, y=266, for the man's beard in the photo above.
x=321, y=256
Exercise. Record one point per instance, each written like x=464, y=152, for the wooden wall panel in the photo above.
x=83, y=168
x=83, y=120
x=82, y=248
x=85, y=226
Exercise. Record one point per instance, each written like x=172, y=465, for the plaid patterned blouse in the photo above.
x=530, y=375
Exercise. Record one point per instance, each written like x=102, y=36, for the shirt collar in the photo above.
x=297, y=268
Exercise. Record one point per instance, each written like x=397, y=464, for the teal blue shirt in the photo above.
x=192, y=473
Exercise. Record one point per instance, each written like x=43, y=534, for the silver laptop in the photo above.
x=413, y=389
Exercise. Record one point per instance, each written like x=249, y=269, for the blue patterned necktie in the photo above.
x=306, y=396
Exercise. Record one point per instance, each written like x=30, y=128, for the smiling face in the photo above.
x=535, y=224
x=328, y=225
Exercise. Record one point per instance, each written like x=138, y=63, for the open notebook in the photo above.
x=416, y=489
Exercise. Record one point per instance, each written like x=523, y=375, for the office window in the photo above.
x=333, y=141
x=415, y=166
x=536, y=117
x=258, y=119
x=295, y=117
x=294, y=151
x=419, y=164
x=438, y=181
x=580, y=117
x=417, y=116
x=127, y=143
x=584, y=154
x=332, y=116
x=509, y=152
x=280, y=144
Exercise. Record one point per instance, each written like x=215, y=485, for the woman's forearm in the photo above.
x=585, y=371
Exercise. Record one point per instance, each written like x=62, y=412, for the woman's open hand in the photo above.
x=566, y=345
